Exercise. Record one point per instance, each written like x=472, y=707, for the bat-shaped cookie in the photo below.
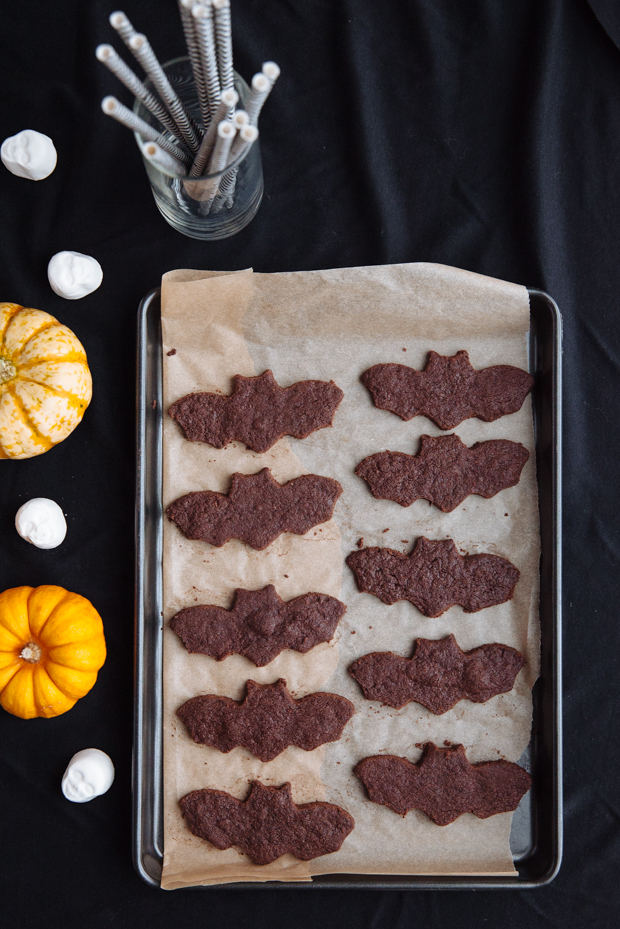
x=267, y=721
x=258, y=412
x=443, y=784
x=434, y=577
x=257, y=509
x=259, y=626
x=267, y=824
x=438, y=674
x=445, y=471
x=448, y=390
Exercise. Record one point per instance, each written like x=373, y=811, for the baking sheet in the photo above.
x=335, y=324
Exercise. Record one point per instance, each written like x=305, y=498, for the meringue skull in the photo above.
x=29, y=154
x=89, y=774
x=73, y=275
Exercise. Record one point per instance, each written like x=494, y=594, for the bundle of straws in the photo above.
x=184, y=147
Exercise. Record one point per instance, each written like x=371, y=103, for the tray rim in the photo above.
x=147, y=858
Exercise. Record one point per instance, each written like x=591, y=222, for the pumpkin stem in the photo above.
x=31, y=653
x=7, y=370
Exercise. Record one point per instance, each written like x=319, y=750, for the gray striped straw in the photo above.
x=223, y=36
x=160, y=158
x=113, y=107
x=246, y=136
x=191, y=39
x=107, y=56
x=203, y=19
x=261, y=88
x=122, y=25
x=142, y=50
x=228, y=101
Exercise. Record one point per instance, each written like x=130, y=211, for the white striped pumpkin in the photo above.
x=45, y=382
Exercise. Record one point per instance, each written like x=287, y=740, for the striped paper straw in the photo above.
x=223, y=37
x=246, y=136
x=107, y=56
x=203, y=20
x=261, y=88
x=122, y=25
x=205, y=189
x=227, y=102
x=271, y=71
x=162, y=159
x=142, y=50
x=191, y=39
x=113, y=107
x=240, y=119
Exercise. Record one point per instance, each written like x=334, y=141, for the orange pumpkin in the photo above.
x=45, y=382
x=51, y=647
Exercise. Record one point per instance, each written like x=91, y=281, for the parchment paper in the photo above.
x=333, y=325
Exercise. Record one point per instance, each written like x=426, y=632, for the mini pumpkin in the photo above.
x=45, y=382
x=51, y=647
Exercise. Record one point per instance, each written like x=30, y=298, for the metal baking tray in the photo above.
x=536, y=836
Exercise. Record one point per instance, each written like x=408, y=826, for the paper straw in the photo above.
x=203, y=20
x=261, y=88
x=107, y=56
x=246, y=136
x=162, y=159
x=122, y=25
x=223, y=38
x=205, y=189
x=229, y=99
x=240, y=119
x=191, y=39
x=271, y=71
x=113, y=107
x=142, y=50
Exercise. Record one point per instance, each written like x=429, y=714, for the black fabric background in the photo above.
x=481, y=134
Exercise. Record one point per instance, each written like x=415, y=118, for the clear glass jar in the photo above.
x=185, y=204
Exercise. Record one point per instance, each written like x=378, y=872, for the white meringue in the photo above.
x=89, y=774
x=29, y=154
x=41, y=522
x=73, y=275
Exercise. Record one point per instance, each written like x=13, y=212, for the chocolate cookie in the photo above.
x=438, y=674
x=260, y=625
x=445, y=471
x=258, y=412
x=444, y=785
x=267, y=824
x=448, y=390
x=434, y=577
x=257, y=509
x=267, y=721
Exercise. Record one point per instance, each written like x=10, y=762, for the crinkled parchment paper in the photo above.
x=333, y=325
